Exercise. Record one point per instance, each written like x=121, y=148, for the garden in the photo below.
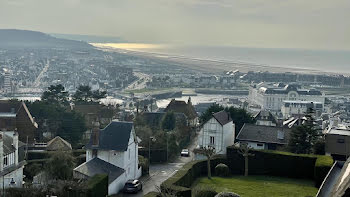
x=251, y=186
x=271, y=173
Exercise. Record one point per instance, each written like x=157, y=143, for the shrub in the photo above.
x=98, y=186
x=222, y=170
x=143, y=162
x=319, y=147
x=227, y=194
x=322, y=167
x=204, y=192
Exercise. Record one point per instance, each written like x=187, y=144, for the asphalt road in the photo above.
x=160, y=172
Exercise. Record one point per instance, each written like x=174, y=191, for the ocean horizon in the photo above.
x=320, y=60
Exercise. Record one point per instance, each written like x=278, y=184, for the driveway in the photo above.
x=158, y=173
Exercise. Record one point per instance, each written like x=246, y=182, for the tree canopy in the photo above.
x=84, y=94
x=55, y=94
x=60, y=165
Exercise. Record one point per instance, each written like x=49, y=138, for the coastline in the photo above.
x=216, y=66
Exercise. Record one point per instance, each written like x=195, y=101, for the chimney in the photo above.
x=15, y=144
x=1, y=151
x=95, y=133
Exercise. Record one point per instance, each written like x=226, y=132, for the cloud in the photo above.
x=257, y=23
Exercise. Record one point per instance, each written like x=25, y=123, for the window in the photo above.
x=5, y=161
x=212, y=140
x=260, y=144
x=341, y=141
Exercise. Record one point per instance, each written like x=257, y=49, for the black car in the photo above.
x=132, y=186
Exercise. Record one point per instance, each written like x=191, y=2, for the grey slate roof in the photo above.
x=266, y=134
x=222, y=117
x=99, y=166
x=114, y=136
x=155, y=118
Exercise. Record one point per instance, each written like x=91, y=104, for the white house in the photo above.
x=11, y=165
x=218, y=132
x=113, y=151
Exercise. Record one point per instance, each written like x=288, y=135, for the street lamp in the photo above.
x=153, y=139
x=11, y=184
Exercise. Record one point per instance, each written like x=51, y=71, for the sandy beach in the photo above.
x=210, y=65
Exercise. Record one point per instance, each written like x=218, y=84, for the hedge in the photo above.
x=97, y=185
x=277, y=163
x=182, y=180
x=322, y=167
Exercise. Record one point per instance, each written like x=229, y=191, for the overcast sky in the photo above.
x=315, y=24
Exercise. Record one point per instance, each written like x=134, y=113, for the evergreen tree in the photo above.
x=303, y=137
x=55, y=94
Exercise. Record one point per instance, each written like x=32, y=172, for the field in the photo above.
x=261, y=186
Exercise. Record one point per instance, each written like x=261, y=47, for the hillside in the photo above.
x=12, y=38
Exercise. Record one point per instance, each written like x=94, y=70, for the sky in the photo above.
x=307, y=24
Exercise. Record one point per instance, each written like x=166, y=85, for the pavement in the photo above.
x=158, y=173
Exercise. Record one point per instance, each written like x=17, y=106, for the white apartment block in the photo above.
x=272, y=97
x=299, y=108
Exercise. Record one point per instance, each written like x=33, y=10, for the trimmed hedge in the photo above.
x=277, y=163
x=322, y=167
x=222, y=170
x=97, y=185
x=181, y=181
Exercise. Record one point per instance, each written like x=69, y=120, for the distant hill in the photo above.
x=13, y=38
x=90, y=38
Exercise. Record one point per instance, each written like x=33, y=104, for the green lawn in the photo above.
x=260, y=186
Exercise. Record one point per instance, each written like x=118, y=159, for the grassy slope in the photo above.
x=261, y=186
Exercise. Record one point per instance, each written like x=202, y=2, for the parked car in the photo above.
x=132, y=186
x=185, y=153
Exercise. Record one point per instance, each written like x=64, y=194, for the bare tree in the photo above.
x=209, y=152
x=244, y=151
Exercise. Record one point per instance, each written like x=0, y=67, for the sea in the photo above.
x=332, y=61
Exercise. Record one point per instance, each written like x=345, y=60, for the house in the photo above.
x=12, y=160
x=113, y=151
x=338, y=143
x=337, y=181
x=14, y=115
x=58, y=143
x=186, y=108
x=264, y=137
x=218, y=132
x=266, y=118
x=154, y=119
